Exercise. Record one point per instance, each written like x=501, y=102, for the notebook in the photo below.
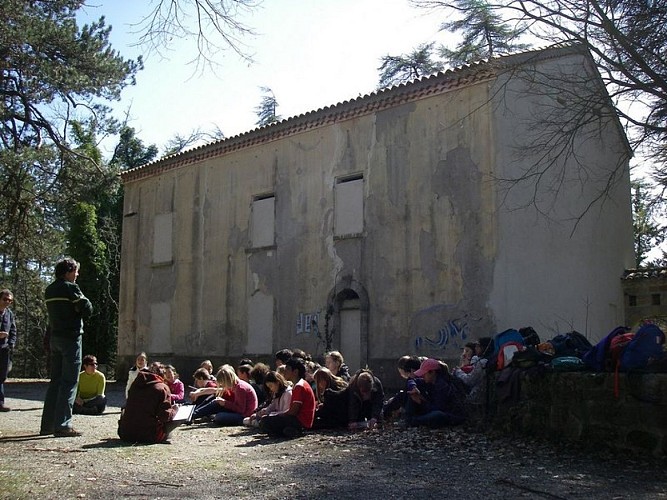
x=184, y=413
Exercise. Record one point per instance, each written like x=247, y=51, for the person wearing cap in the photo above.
x=437, y=402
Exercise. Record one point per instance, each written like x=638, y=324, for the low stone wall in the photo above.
x=581, y=407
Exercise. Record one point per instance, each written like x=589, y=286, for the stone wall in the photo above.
x=581, y=407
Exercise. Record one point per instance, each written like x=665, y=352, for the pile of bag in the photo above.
x=624, y=351
x=620, y=351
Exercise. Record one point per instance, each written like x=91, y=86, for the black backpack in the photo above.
x=570, y=344
x=530, y=336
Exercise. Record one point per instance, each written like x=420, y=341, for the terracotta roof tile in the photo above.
x=382, y=99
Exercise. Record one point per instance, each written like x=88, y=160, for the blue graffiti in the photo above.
x=455, y=331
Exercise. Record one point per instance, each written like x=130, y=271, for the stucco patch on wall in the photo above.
x=260, y=324
x=160, y=340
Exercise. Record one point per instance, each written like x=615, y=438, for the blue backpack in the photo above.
x=643, y=349
x=501, y=338
x=596, y=358
x=505, y=344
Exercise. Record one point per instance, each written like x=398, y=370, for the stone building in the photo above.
x=645, y=294
x=405, y=221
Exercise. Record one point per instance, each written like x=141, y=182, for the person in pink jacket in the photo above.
x=232, y=409
x=174, y=383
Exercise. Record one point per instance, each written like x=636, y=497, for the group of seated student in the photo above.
x=299, y=394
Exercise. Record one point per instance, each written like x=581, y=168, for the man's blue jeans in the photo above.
x=61, y=394
x=4, y=366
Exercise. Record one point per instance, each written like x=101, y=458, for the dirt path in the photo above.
x=208, y=462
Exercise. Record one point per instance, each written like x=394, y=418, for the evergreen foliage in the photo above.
x=484, y=32
x=267, y=109
x=55, y=78
x=395, y=70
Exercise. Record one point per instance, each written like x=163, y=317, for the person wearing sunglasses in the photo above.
x=90, y=398
x=7, y=341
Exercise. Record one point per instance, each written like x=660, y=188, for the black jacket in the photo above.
x=67, y=307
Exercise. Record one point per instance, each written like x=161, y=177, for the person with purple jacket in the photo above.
x=437, y=402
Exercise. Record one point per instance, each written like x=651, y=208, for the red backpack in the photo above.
x=616, y=348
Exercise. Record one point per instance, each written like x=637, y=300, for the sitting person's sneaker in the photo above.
x=4, y=408
x=66, y=433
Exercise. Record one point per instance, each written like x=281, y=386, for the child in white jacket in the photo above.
x=281, y=398
x=139, y=364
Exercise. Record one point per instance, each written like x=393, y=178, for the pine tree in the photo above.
x=267, y=109
x=395, y=70
x=485, y=34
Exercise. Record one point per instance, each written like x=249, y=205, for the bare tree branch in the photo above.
x=214, y=25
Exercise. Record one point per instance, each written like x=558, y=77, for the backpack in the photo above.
x=530, y=336
x=567, y=364
x=643, y=349
x=507, y=352
x=617, y=346
x=505, y=344
x=571, y=344
x=596, y=357
x=529, y=357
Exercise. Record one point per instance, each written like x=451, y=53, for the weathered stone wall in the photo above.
x=581, y=407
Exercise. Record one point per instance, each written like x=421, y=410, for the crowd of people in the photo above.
x=298, y=394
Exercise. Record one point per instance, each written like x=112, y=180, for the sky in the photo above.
x=311, y=53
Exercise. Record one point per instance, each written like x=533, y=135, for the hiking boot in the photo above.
x=5, y=408
x=66, y=433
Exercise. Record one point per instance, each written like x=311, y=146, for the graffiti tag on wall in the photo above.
x=308, y=323
x=453, y=334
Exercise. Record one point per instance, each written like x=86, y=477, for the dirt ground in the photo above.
x=209, y=462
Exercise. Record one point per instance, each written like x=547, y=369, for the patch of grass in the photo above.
x=16, y=484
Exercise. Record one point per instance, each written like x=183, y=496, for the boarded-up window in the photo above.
x=349, y=206
x=162, y=236
x=262, y=224
x=160, y=328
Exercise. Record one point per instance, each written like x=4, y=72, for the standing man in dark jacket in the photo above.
x=67, y=307
x=7, y=341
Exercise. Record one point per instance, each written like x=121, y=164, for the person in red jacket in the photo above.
x=301, y=412
x=148, y=414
